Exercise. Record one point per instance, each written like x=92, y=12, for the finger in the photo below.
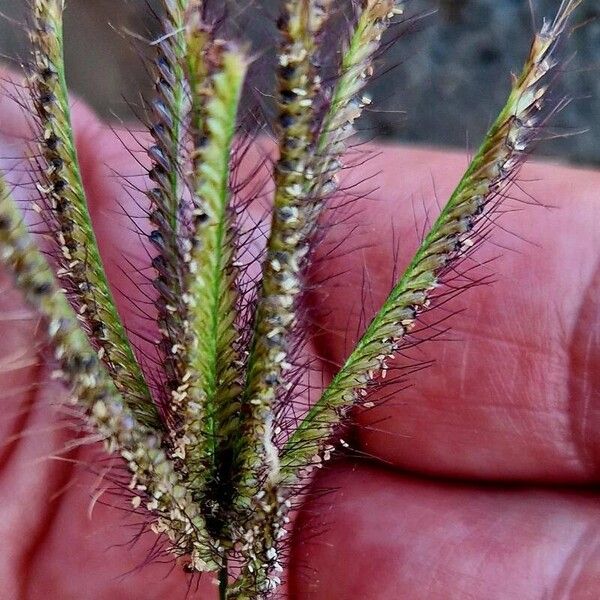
x=499, y=401
x=382, y=535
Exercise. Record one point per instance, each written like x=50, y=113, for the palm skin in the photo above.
x=488, y=461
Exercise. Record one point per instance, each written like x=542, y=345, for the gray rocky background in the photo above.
x=441, y=83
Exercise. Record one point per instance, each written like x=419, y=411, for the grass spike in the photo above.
x=298, y=87
x=81, y=266
x=211, y=405
x=503, y=151
x=169, y=110
x=154, y=479
x=347, y=101
x=305, y=174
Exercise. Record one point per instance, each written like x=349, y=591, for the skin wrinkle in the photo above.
x=584, y=384
x=554, y=383
x=505, y=420
x=448, y=542
x=585, y=552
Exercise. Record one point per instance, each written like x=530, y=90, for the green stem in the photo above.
x=224, y=579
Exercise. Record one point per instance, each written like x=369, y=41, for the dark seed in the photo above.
x=159, y=132
x=61, y=206
x=283, y=21
x=158, y=175
x=156, y=238
x=47, y=73
x=160, y=264
x=282, y=257
x=57, y=163
x=288, y=96
x=173, y=384
x=82, y=363
x=47, y=98
x=158, y=156
x=88, y=362
x=285, y=213
x=59, y=185
x=42, y=289
x=165, y=90
x=271, y=379
x=52, y=142
x=287, y=72
x=162, y=287
x=291, y=143
x=286, y=120
x=201, y=141
x=98, y=330
x=164, y=69
x=78, y=269
x=201, y=218
x=163, y=114
x=155, y=195
x=286, y=166
x=157, y=217
x=67, y=226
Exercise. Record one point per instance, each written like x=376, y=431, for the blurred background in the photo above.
x=441, y=83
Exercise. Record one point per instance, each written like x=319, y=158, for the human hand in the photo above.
x=482, y=481
x=514, y=399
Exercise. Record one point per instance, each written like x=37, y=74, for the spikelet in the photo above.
x=154, y=479
x=502, y=153
x=185, y=392
x=305, y=174
x=81, y=266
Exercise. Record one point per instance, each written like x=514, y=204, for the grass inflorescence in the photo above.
x=205, y=455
